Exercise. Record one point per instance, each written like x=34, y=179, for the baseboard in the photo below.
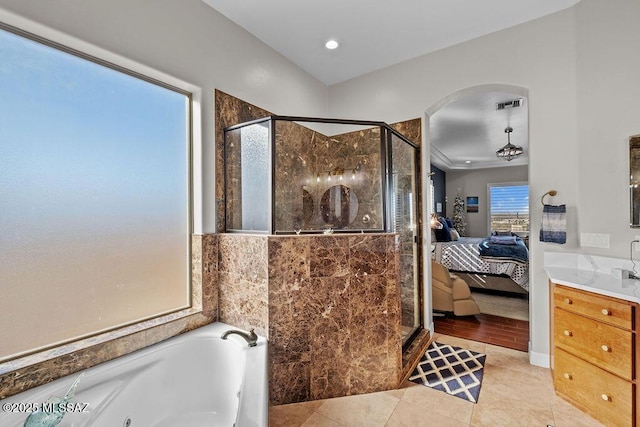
x=539, y=359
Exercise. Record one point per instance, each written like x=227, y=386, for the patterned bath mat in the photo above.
x=454, y=370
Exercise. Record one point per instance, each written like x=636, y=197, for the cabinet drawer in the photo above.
x=605, y=309
x=601, y=394
x=603, y=345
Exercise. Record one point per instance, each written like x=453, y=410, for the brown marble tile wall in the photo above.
x=361, y=148
x=327, y=337
x=40, y=368
x=295, y=178
x=243, y=281
x=410, y=129
x=334, y=316
x=304, y=160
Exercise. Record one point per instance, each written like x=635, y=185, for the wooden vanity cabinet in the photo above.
x=596, y=355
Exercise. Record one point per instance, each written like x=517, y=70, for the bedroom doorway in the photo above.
x=465, y=131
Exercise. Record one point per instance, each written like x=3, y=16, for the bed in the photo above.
x=500, y=273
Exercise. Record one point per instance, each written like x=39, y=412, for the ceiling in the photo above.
x=472, y=129
x=376, y=34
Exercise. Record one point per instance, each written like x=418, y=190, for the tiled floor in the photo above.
x=514, y=393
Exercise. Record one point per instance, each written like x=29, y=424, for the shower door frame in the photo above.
x=417, y=209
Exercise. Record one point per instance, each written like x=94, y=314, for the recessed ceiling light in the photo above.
x=468, y=161
x=331, y=44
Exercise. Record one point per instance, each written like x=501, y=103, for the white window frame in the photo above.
x=71, y=45
x=504, y=184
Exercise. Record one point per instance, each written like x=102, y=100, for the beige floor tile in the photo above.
x=567, y=415
x=365, y=410
x=517, y=384
x=410, y=415
x=438, y=402
x=396, y=393
x=292, y=415
x=513, y=359
x=317, y=420
x=509, y=383
x=498, y=410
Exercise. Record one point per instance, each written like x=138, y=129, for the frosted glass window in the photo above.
x=247, y=178
x=255, y=177
x=94, y=197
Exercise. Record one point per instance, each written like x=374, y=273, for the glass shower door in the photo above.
x=404, y=214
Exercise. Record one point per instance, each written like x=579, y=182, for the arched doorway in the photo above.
x=462, y=110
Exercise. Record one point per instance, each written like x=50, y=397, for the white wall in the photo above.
x=473, y=182
x=192, y=42
x=539, y=56
x=608, y=107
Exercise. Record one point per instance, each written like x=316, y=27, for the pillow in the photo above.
x=502, y=233
x=449, y=222
x=443, y=234
x=504, y=240
x=454, y=234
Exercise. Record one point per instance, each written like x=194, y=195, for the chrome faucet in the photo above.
x=251, y=338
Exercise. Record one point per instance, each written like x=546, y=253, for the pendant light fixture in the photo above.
x=509, y=151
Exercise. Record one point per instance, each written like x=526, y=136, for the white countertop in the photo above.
x=592, y=274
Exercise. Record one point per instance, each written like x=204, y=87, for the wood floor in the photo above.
x=486, y=328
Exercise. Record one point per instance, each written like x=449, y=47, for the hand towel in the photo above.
x=554, y=224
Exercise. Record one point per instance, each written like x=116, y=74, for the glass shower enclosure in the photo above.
x=300, y=175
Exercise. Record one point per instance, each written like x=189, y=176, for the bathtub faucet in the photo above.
x=251, y=338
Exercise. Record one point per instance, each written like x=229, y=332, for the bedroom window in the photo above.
x=95, y=188
x=509, y=207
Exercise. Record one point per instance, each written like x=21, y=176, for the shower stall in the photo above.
x=301, y=176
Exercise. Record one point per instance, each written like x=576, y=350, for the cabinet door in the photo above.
x=604, y=309
x=600, y=394
x=603, y=345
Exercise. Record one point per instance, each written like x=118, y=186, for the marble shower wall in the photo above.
x=243, y=281
x=304, y=160
x=334, y=316
x=359, y=149
x=295, y=178
x=333, y=301
x=330, y=305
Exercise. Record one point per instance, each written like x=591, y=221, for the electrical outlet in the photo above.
x=595, y=240
x=603, y=241
x=586, y=239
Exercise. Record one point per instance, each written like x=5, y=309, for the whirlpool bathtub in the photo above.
x=192, y=380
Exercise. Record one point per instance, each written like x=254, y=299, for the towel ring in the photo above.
x=548, y=193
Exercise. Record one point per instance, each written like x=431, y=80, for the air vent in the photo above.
x=509, y=104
